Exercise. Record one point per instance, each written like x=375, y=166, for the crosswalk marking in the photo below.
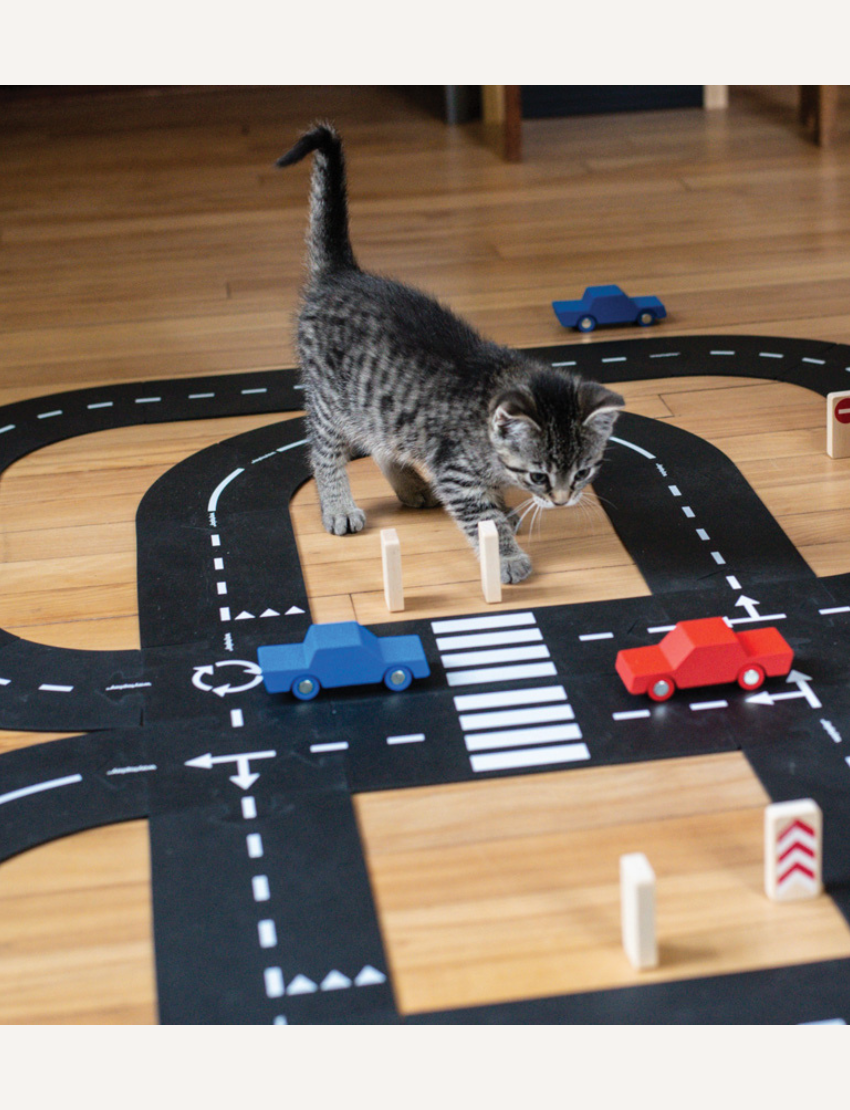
x=508, y=728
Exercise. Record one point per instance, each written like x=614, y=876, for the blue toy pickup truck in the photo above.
x=608, y=304
x=343, y=654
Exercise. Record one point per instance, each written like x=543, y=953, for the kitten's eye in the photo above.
x=537, y=478
x=582, y=473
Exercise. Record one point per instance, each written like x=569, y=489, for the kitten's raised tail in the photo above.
x=328, y=240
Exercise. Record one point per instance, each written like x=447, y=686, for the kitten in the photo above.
x=449, y=417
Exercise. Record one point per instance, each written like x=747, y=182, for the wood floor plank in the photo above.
x=163, y=243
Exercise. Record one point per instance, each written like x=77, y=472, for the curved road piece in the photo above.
x=262, y=904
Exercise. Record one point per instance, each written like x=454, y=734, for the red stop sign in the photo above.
x=842, y=410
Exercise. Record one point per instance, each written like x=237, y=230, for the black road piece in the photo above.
x=263, y=910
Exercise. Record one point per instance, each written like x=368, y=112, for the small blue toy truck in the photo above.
x=343, y=654
x=608, y=304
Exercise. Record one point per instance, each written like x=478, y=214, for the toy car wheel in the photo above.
x=586, y=323
x=660, y=689
x=750, y=677
x=398, y=678
x=646, y=318
x=305, y=687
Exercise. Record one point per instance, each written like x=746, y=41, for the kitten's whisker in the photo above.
x=527, y=507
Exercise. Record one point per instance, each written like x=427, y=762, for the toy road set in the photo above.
x=241, y=731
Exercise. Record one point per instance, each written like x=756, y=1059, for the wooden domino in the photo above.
x=391, y=561
x=838, y=425
x=637, y=906
x=793, y=850
x=488, y=554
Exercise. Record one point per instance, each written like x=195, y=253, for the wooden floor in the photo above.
x=148, y=235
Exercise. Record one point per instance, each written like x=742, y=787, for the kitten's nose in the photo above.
x=560, y=498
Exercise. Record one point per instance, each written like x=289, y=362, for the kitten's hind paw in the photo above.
x=343, y=524
x=515, y=568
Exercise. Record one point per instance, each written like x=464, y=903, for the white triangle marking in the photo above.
x=334, y=981
x=270, y=613
x=369, y=976
x=245, y=616
x=294, y=609
x=301, y=985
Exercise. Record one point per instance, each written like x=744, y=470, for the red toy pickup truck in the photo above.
x=704, y=653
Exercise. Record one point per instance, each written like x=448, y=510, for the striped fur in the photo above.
x=449, y=417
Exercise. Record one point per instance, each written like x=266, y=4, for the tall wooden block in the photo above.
x=488, y=554
x=391, y=561
x=637, y=904
x=838, y=424
x=793, y=850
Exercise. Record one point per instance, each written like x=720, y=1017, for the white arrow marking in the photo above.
x=244, y=778
x=803, y=691
x=749, y=604
x=252, y=669
x=25, y=791
x=199, y=675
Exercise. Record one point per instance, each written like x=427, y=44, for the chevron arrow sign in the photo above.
x=793, y=850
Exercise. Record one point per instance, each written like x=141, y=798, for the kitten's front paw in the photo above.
x=515, y=568
x=342, y=524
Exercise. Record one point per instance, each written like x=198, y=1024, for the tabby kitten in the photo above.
x=449, y=417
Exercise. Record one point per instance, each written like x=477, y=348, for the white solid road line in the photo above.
x=529, y=757
x=500, y=674
x=499, y=655
x=489, y=639
x=508, y=718
x=212, y=504
x=534, y=696
x=38, y=787
x=521, y=737
x=474, y=624
x=632, y=446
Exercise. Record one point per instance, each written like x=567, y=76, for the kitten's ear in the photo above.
x=513, y=411
x=600, y=407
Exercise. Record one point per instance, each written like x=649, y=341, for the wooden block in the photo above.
x=838, y=424
x=637, y=905
x=391, y=560
x=488, y=554
x=793, y=850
